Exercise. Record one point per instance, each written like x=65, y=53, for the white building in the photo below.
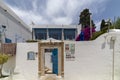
x=81, y=60
x=12, y=28
x=59, y=32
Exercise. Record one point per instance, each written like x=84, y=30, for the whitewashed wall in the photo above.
x=26, y=69
x=9, y=66
x=93, y=60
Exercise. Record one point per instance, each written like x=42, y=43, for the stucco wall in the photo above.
x=91, y=63
x=25, y=68
x=93, y=60
x=9, y=66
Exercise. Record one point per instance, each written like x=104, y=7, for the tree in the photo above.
x=85, y=18
x=93, y=24
x=105, y=25
x=3, y=59
x=117, y=23
x=88, y=26
x=102, y=26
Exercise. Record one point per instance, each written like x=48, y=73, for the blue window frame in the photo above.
x=69, y=34
x=31, y=55
x=40, y=33
x=55, y=33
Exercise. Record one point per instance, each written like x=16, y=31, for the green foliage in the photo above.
x=3, y=76
x=85, y=17
x=93, y=24
x=98, y=33
x=105, y=25
x=102, y=26
x=31, y=41
x=3, y=58
x=117, y=23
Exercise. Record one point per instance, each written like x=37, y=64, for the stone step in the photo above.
x=51, y=77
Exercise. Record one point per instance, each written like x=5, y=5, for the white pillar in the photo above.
x=62, y=33
x=47, y=33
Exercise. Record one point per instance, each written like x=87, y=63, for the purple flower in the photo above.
x=85, y=34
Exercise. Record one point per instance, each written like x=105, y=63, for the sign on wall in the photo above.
x=70, y=52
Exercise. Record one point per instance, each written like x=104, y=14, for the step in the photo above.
x=51, y=77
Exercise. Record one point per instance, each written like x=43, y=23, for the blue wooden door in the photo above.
x=55, y=61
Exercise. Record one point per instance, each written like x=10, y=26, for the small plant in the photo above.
x=31, y=41
x=3, y=59
x=98, y=33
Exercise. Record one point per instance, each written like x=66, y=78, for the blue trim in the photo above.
x=7, y=40
x=55, y=61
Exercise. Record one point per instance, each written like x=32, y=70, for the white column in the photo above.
x=47, y=34
x=76, y=32
x=62, y=33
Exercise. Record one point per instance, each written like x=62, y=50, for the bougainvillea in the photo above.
x=85, y=34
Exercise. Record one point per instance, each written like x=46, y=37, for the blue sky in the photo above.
x=63, y=11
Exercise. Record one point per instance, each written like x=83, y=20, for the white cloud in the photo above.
x=29, y=16
x=54, y=7
x=62, y=20
x=58, y=11
x=34, y=5
x=98, y=25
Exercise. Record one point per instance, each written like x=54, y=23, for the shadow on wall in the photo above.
x=10, y=50
x=103, y=45
x=9, y=66
x=110, y=43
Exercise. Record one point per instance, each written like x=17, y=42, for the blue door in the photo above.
x=55, y=61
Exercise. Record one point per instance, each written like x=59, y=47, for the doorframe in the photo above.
x=41, y=63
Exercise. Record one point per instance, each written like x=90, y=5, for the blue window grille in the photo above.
x=69, y=34
x=40, y=34
x=55, y=33
x=31, y=55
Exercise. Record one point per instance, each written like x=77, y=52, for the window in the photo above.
x=69, y=34
x=40, y=34
x=55, y=33
x=31, y=55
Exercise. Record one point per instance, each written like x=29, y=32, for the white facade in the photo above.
x=93, y=60
x=16, y=30
x=63, y=32
x=78, y=27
